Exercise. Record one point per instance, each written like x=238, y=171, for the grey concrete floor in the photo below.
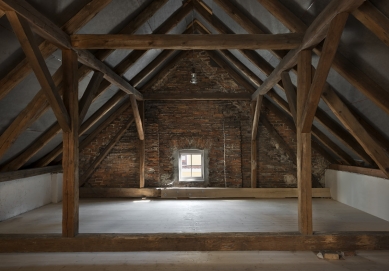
x=188, y=261
x=167, y=216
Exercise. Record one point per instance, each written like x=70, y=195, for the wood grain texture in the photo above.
x=304, y=162
x=254, y=152
x=184, y=42
x=27, y=40
x=70, y=201
x=137, y=117
x=23, y=69
x=25, y=173
x=344, y=115
x=89, y=94
x=257, y=113
x=94, y=192
x=323, y=68
x=282, y=241
x=360, y=170
x=198, y=96
x=142, y=148
x=291, y=95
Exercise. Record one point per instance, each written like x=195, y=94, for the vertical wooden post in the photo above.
x=304, y=182
x=253, y=153
x=70, y=146
x=142, y=146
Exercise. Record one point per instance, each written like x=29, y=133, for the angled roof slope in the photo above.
x=359, y=73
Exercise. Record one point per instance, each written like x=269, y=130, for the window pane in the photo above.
x=186, y=171
x=183, y=160
x=196, y=159
x=196, y=171
x=188, y=159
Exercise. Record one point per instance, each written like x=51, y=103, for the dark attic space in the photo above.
x=194, y=127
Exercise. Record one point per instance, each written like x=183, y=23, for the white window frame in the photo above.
x=191, y=179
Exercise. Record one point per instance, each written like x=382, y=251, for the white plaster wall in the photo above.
x=366, y=193
x=22, y=195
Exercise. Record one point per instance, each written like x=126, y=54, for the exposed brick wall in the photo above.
x=221, y=128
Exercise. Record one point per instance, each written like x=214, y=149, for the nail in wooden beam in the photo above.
x=90, y=94
x=70, y=214
x=38, y=64
x=304, y=183
x=323, y=68
x=104, y=152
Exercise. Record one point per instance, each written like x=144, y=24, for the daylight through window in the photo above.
x=191, y=165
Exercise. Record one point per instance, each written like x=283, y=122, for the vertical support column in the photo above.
x=253, y=153
x=304, y=182
x=142, y=146
x=70, y=161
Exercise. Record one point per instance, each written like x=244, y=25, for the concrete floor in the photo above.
x=167, y=216
x=188, y=261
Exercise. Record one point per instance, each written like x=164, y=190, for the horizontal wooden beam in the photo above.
x=95, y=192
x=280, y=241
x=360, y=170
x=315, y=33
x=25, y=173
x=187, y=42
x=266, y=193
x=170, y=96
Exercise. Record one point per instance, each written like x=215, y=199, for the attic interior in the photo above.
x=197, y=125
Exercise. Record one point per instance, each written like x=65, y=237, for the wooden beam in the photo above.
x=323, y=68
x=341, y=64
x=360, y=170
x=304, y=162
x=25, y=173
x=23, y=69
x=280, y=241
x=142, y=147
x=314, y=34
x=291, y=95
x=96, y=192
x=38, y=106
x=114, y=115
x=254, y=152
x=105, y=152
x=2, y=13
x=99, y=114
x=45, y=27
x=38, y=64
x=322, y=117
x=356, y=129
x=374, y=20
x=185, y=42
x=198, y=96
x=138, y=120
x=70, y=163
x=257, y=113
x=89, y=94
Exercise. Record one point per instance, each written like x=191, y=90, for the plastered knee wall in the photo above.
x=22, y=195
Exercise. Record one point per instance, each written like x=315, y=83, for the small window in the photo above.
x=191, y=165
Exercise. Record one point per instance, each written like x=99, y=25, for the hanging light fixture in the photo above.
x=193, y=76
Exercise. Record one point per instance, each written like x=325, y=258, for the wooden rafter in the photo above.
x=257, y=112
x=323, y=68
x=89, y=94
x=315, y=33
x=374, y=20
x=137, y=117
x=341, y=64
x=38, y=106
x=253, y=78
x=264, y=66
x=198, y=96
x=356, y=129
x=291, y=95
x=19, y=174
x=70, y=162
x=23, y=69
x=99, y=114
x=360, y=170
x=38, y=64
x=105, y=152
